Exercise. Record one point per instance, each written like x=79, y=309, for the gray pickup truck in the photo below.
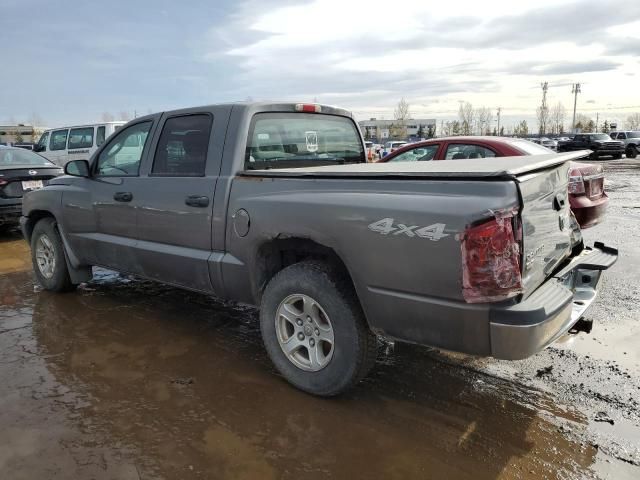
x=273, y=205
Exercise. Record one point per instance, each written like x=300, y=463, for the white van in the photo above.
x=61, y=145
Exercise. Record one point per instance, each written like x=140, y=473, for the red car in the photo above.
x=586, y=181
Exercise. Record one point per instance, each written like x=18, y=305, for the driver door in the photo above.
x=100, y=216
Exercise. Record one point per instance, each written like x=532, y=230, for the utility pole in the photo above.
x=575, y=89
x=499, y=110
x=597, y=119
x=543, y=108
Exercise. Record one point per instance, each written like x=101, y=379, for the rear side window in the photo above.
x=182, y=148
x=58, y=140
x=459, y=151
x=100, y=135
x=289, y=140
x=81, y=138
x=420, y=154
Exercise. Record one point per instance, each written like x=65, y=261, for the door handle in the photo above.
x=123, y=196
x=197, y=201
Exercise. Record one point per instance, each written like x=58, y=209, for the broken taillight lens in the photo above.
x=491, y=259
x=576, y=182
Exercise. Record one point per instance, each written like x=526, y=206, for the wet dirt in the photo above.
x=126, y=379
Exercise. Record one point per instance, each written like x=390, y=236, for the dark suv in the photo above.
x=600, y=144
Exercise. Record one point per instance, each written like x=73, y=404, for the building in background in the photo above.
x=381, y=130
x=10, y=134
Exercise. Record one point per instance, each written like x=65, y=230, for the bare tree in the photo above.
x=584, y=123
x=557, y=117
x=466, y=116
x=401, y=115
x=484, y=119
x=542, y=114
x=633, y=121
x=126, y=116
x=107, y=117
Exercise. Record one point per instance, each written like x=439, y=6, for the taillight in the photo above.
x=576, y=182
x=3, y=182
x=491, y=259
x=308, y=107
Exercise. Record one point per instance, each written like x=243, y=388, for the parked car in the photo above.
x=61, y=145
x=275, y=205
x=21, y=171
x=586, y=183
x=600, y=145
x=26, y=146
x=631, y=142
x=392, y=146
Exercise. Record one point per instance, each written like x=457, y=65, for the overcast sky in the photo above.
x=70, y=61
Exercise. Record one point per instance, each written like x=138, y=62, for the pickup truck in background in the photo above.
x=600, y=145
x=631, y=142
x=274, y=205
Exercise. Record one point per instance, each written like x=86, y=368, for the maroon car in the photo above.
x=586, y=181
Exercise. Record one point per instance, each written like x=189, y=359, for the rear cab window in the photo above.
x=290, y=140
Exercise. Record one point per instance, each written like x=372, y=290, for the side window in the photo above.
x=121, y=157
x=419, y=154
x=459, y=151
x=100, y=135
x=81, y=138
x=182, y=148
x=43, y=141
x=622, y=136
x=58, y=140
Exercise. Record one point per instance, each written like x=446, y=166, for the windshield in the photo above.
x=530, y=148
x=601, y=136
x=286, y=140
x=19, y=156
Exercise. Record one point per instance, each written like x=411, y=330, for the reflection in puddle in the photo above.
x=146, y=378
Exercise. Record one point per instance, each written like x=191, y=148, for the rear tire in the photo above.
x=48, y=257
x=594, y=156
x=631, y=151
x=332, y=351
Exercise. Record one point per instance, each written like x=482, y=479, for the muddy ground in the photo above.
x=125, y=379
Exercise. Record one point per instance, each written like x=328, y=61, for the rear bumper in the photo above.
x=519, y=331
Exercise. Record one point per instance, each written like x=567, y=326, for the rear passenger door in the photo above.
x=175, y=199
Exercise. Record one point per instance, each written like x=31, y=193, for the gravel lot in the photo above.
x=125, y=379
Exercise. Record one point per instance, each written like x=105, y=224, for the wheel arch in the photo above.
x=31, y=219
x=275, y=254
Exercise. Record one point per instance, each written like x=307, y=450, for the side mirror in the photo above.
x=38, y=148
x=77, y=168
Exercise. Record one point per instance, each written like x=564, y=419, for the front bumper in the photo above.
x=521, y=330
x=10, y=213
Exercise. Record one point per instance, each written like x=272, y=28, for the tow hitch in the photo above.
x=581, y=325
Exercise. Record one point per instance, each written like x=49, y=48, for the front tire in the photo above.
x=632, y=151
x=314, y=330
x=48, y=257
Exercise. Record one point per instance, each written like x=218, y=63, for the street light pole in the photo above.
x=575, y=89
x=499, y=110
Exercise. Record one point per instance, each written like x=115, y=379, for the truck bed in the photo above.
x=497, y=167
